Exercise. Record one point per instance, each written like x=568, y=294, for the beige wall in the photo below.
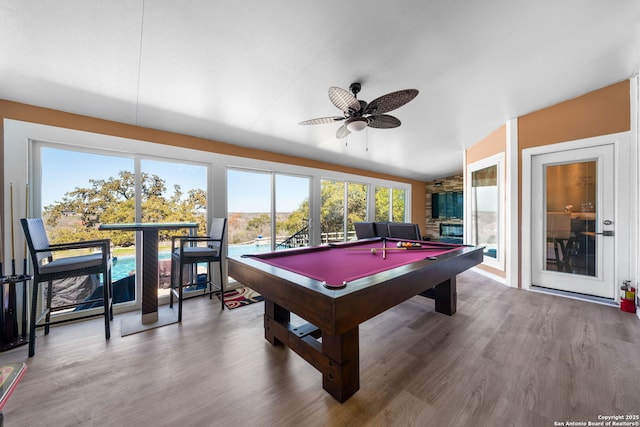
x=45, y=116
x=492, y=144
x=601, y=112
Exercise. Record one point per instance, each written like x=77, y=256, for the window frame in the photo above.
x=36, y=207
x=498, y=161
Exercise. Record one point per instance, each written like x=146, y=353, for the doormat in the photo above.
x=241, y=297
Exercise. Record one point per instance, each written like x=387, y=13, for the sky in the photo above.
x=63, y=171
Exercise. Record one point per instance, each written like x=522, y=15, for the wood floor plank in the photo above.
x=508, y=357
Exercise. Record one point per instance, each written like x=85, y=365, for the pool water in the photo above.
x=124, y=265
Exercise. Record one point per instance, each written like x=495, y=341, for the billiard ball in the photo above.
x=374, y=251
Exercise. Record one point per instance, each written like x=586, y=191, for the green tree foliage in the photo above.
x=78, y=214
x=296, y=221
x=382, y=203
x=333, y=205
x=398, y=196
x=332, y=208
x=260, y=225
x=398, y=207
x=356, y=204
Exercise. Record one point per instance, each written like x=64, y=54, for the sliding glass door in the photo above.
x=78, y=192
x=292, y=211
x=267, y=211
x=109, y=188
x=390, y=204
x=172, y=192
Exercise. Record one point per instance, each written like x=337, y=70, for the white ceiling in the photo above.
x=246, y=72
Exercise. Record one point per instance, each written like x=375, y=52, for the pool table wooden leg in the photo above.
x=337, y=357
x=342, y=378
x=446, y=297
x=274, y=313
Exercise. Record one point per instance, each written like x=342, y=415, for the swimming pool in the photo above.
x=125, y=265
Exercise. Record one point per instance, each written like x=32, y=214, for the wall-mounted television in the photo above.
x=447, y=205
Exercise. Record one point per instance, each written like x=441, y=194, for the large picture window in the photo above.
x=107, y=188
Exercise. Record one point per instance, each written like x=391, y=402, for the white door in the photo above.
x=572, y=212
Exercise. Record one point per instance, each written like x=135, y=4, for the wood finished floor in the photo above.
x=507, y=358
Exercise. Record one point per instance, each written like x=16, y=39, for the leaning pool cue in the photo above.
x=13, y=251
x=1, y=247
x=26, y=215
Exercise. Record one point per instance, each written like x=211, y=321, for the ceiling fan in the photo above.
x=358, y=114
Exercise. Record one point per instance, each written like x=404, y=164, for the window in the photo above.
x=356, y=207
x=292, y=211
x=98, y=189
x=485, y=223
x=398, y=205
x=390, y=204
x=249, y=211
x=172, y=192
x=332, y=209
x=261, y=219
x=103, y=187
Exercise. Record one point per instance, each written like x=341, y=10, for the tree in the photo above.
x=113, y=201
x=258, y=224
x=296, y=221
x=332, y=208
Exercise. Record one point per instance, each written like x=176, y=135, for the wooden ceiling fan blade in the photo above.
x=384, y=121
x=391, y=101
x=322, y=120
x=343, y=99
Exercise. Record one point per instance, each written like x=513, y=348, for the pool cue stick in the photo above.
x=13, y=251
x=1, y=248
x=384, y=248
x=26, y=215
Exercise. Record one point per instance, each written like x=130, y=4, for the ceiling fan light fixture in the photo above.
x=357, y=124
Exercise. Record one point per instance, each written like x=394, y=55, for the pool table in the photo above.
x=337, y=287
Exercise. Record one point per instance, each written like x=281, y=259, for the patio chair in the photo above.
x=47, y=268
x=407, y=231
x=365, y=230
x=190, y=251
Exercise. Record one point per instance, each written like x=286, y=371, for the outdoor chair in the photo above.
x=365, y=230
x=405, y=231
x=47, y=268
x=382, y=229
x=188, y=251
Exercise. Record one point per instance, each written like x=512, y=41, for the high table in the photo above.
x=150, y=273
x=337, y=287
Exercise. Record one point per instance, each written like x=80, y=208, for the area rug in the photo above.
x=241, y=297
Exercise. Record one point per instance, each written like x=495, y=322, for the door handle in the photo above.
x=605, y=233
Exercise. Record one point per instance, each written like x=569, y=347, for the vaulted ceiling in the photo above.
x=247, y=72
